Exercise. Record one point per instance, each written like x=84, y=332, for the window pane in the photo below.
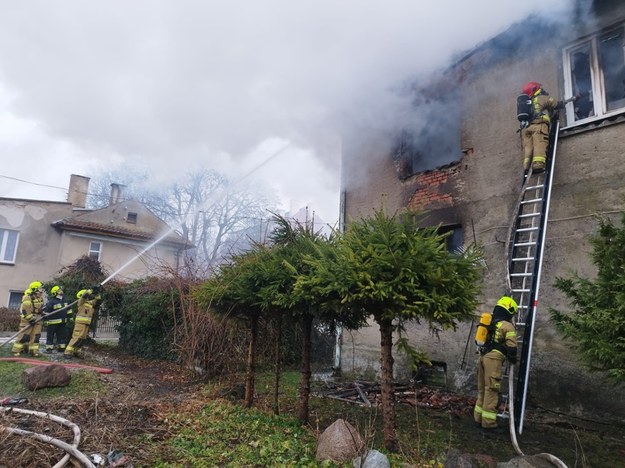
x=581, y=79
x=15, y=300
x=9, y=253
x=613, y=64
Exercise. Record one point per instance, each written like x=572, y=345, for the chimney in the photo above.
x=78, y=187
x=116, y=193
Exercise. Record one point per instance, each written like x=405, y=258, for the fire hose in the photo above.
x=37, y=319
x=71, y=450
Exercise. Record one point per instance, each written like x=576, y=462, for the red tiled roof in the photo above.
x=73, y=224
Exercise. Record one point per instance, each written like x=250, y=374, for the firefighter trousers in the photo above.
x=56, y=333
x=28, y=340
x=489, y=370
x=78, y=338
x=535, y=144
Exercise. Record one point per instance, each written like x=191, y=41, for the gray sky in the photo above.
x=90, y=86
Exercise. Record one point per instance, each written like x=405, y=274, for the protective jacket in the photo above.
x=54, y=304
x=544, y=108
x=87, y=305
x=32, y=305
x=502, y=340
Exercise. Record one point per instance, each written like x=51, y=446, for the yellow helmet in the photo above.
x=509, y=304
x=56, y=290
x=80, y=293
x=35, y=285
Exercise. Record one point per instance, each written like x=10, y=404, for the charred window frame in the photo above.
x=454, y=240
x=594, y=70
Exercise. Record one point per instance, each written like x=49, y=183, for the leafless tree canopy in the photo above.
x=215, y=214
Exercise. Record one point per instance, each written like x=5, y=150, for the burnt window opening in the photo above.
x=429, y=138
x=131, y=218
x=453, y=241
x=594, y=71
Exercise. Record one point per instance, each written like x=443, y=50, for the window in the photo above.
x=8, y=245
x=95, y=249
x=15, y=300
x=595, y=70
x=131, y=218
x=454, y=239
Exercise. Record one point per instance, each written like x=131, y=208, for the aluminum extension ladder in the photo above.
x=527, y=245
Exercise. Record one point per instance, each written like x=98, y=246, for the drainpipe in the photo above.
x=339, y=328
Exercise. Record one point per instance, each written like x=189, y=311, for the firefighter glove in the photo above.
x=511, y=354
x=97, y=289
x=32, y=321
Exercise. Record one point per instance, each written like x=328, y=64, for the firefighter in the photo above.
x=500, y=344
x=30, y=311
x=88, y=303
x=56, y=324
x=535, y=135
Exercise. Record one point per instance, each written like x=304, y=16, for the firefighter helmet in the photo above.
x=80, y=293
x=56, y=290
x=35, y=285
x=531, y=88
x=509, y=304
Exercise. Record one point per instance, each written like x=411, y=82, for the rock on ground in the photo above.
x=340, y=442
x=53, y=375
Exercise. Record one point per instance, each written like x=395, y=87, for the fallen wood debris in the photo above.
x=368, y=394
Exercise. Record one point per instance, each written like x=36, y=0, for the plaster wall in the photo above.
x=38, y=244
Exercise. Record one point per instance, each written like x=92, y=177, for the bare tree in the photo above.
x=214, y=214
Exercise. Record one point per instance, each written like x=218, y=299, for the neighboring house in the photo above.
x=472, y=188
x=38, y=238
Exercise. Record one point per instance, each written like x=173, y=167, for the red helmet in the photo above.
x=531, y=88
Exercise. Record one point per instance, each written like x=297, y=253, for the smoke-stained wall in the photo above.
x=479, y=191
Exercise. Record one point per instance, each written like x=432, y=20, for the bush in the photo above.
x=9, y=320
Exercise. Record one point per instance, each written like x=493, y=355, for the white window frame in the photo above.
x=95, y=251
x=4, y=245
x=599, y=101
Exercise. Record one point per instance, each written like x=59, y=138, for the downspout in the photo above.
x=339, y=328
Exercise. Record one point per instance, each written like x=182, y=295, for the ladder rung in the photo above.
x=524, y=244
x=527, y=229
x=534, y=200
x=521, y=290
x=532, y=187
x=520, y=324
x=516, y=275
x=523, y=259
x=529, y=215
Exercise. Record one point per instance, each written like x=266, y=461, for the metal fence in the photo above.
x=105, y=325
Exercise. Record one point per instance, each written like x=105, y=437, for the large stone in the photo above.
x=340, y=442
x=529, y=461
x=53, y=375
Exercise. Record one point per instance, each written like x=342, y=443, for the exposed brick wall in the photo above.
x=432, y=190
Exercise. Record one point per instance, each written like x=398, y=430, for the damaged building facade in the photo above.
x=465, y=172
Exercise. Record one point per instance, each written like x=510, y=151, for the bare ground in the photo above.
x=139, y=393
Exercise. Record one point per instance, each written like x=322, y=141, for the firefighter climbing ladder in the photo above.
x=526, y=248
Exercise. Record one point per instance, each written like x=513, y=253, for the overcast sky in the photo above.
x=92, y=86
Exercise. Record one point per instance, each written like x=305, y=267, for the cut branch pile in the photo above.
x=368, y=394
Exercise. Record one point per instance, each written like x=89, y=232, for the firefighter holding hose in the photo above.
x=88, y=303
x=30, y=313
x=500, y=343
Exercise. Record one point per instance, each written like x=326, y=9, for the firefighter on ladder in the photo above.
x=500, y=344
x=535, y=132
x=30, y=311
x=88, y=302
